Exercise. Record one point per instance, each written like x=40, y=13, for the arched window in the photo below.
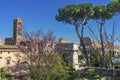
x=8, y=60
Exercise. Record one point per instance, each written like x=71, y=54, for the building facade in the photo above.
x=9, y=55
x=9, y=52
x=88, y=45
x=70, y=51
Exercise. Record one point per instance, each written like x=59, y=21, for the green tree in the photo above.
x=77, y=15
x=101, y=14
x=114, y=6
x=95, y=58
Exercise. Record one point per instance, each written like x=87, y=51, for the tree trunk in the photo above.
x=102, y=44
x=82, y=43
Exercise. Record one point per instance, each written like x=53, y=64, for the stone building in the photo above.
x=9, y=55
x=9, y=52
x=70, y=50
x=2, y=42
x=116, y=50
x=88, y=45
x=17, y=33
x=9, y=41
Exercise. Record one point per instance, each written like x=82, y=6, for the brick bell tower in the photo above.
x=17, y=31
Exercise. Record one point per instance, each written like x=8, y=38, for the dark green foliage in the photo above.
x=108, y=61
x=92, y=73
x=95, y=58
x=68, y=14
x=3, y=75
x=114, y=6
x=102, y=12
x=75, y=14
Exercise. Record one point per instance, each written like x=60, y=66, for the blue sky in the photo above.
x=38, y=14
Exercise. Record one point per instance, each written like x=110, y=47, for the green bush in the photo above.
x=95, y=59
x=3, y=75
x=51, y=68
x=92, y=73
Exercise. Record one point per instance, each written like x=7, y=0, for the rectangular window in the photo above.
x=8, y=62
